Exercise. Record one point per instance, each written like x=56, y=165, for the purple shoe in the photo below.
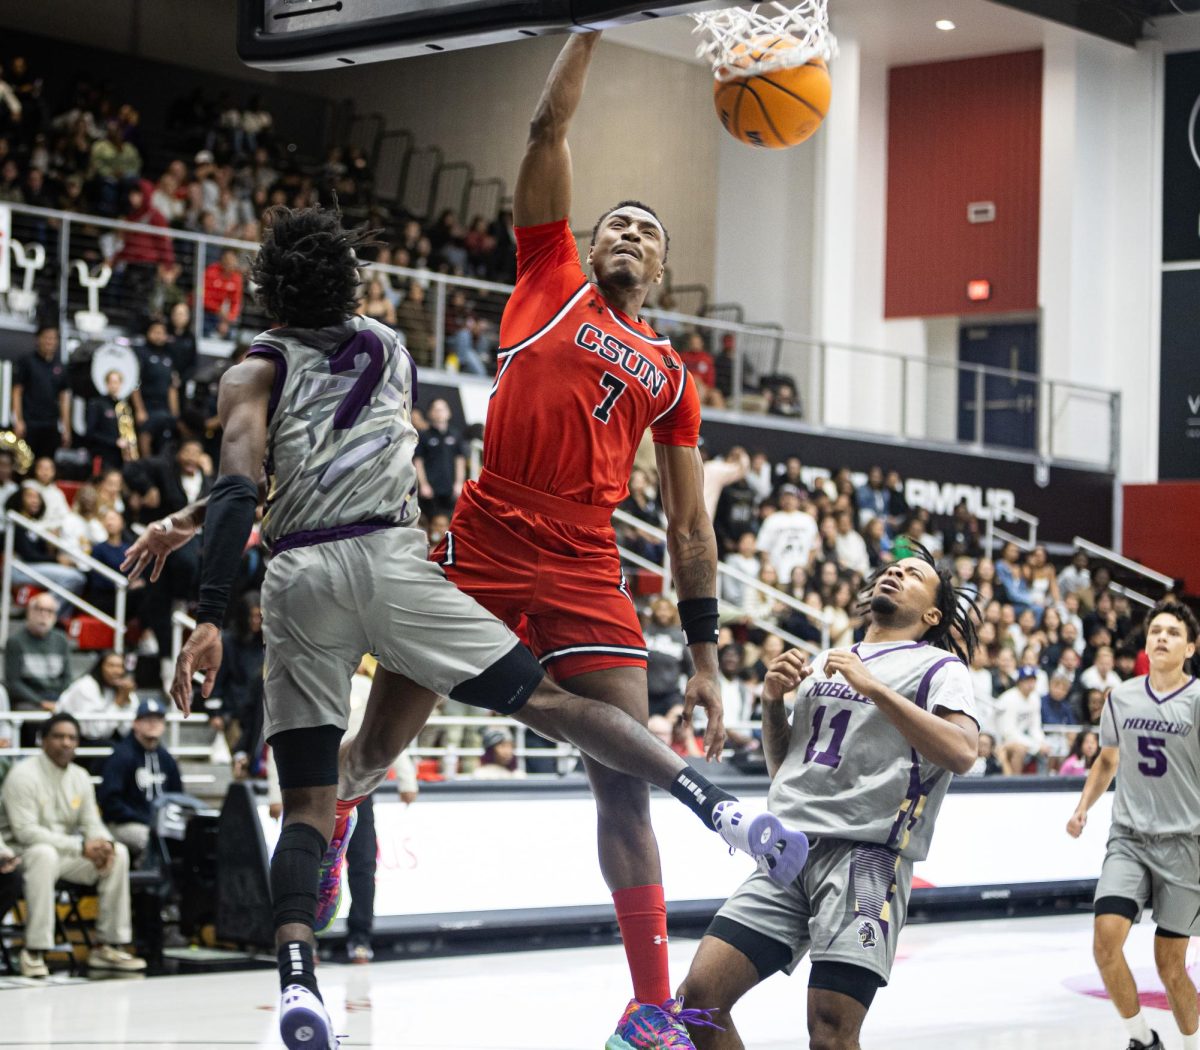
x=329, y=890
x=780, y=853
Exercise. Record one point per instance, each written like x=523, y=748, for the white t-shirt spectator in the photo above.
x=1072, y=580
x=94, y=706
x=1019, y=718
x=852, y=553
x=1093, y=679
x=985, y=703
x=734, y=591
x=55, y=501
x=787, y=538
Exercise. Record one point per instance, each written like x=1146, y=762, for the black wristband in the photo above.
x=699, y=619
x=227, y=525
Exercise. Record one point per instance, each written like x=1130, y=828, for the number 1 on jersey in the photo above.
x=832, y=755
x=615, y=388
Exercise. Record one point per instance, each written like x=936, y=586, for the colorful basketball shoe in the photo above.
x=329, y=891
x=303, y=1021
x=645, y=1026
x=780, y=853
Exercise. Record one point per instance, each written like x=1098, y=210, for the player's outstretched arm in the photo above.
x=693, y=548
x=543, y=192
x=242, y=404
x=1099, y=777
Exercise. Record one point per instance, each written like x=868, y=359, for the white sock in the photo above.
x=1191, y=1042
x=1137, y=1028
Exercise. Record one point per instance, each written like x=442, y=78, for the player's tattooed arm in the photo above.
x=784, y=675
x=543, y=192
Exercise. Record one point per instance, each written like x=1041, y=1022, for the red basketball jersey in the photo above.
x=579, y=382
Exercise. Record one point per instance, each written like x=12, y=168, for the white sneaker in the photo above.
x=106, y=957
x=33, y=964
x=781, y=853
x=303, y=1021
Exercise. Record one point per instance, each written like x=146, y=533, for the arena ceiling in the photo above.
x=1124, y=21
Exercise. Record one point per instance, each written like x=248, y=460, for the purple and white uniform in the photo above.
x=1154, y=842
x=349, y=572
x=867, y=801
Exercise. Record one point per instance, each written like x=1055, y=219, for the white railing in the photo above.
x=1068, y=416
x=16, y=520
x=1108, y=554
x=994, y=532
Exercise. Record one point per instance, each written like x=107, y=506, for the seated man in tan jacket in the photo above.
x=49, y=815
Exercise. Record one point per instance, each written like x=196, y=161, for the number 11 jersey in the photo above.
x=1158, y=783
x=849, y=772
x=578, y=382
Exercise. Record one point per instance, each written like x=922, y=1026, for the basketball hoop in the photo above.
x=739, y=40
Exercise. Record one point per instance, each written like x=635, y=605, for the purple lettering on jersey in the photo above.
x=1151, y=749
x=344, y=360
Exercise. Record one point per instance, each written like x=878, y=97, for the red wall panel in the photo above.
x=1159, y=529
x=960, y=132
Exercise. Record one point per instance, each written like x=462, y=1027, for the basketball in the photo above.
x=777, y=109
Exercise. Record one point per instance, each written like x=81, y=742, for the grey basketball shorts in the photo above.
x=327, y=605
x=847, y=906
x=1159, y=871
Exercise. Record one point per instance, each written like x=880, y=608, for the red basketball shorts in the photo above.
x=558, y=584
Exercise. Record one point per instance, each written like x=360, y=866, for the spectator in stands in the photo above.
x=50, y=815
x=377, y=305
x=736, y=698
x=113, y=170
x=878, y=543
x=1075, y=577
x=10, y=106
x=1019, y=720
x=736, y=511
x=782, y=400
x=139, y=771
x=1093, y=706
x=36, y=193
x=789, y=472
x=1043, y=580
x=156, y=399
x=41, y=398
x=1124, y=662
x=720, y=472
x=223, y=289
x=789, y=535
x=136, y=264
x=44, y=482
x=106, y=436
x=102, y=591
x=1004, y=674
x=1058, y=710
x=99, y=699
x=642, y=503
x=181, y=339
x=10, y=183
x=499, y=760
x=1101, y=577
x=502, y=266
x=38, y=553
x=1102, y=674
x=110, y=492
x=440, y=460
x=747, y=561
x=1082, y=756
x=986, y=765
x=961, y=535
x=699, y=362
x=414, y=322
x=241, y=669
x=1105, y=614
x=668, y=661
x=981, y=685
x=851, y=547
x=36, y=662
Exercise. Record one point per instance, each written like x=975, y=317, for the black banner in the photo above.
x=1181, y=159
x=1179, y=378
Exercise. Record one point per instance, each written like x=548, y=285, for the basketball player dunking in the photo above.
x=1153, y=850
x=325, y=400
x=876, y=731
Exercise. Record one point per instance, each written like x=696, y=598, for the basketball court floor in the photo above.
x=1010, y=984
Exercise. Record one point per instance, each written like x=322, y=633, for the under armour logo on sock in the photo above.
x=659, y=939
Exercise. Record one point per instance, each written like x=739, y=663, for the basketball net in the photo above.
x=738, y=40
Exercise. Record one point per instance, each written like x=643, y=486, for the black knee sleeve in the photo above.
x=857, y=982
x=294, y=870
x=1171, y=935
x=1123, y=906
x=308, y=757
x=505, y=686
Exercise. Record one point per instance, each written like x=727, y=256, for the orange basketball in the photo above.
x=773, y=110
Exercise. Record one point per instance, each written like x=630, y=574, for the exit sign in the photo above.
x=979, y=291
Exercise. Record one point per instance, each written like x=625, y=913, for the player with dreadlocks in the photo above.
x=862, y=768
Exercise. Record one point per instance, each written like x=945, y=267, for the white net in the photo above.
x=745, y=41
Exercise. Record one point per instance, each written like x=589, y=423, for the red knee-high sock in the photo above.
x=344, y=808
x=642, y=916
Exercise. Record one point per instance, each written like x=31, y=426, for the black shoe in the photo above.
x=1154, y=1044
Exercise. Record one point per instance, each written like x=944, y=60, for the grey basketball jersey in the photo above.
x=340, y=439
x=1158, y=781
x=849, y=773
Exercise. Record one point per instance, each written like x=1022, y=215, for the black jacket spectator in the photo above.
x=736, y=514
x=169, y=481
x=40, y=395
x=133, y=778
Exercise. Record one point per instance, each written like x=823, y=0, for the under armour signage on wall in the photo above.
x=1179, y=385
x=1181, y=159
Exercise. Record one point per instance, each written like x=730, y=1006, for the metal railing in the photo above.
x=116, y=621
x=993, y=532
x=841, y=387
x=1129, y=565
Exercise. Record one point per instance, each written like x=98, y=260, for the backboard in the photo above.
x=327, y=34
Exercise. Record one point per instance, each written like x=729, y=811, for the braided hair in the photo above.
x=957, y=631
x=307, y=270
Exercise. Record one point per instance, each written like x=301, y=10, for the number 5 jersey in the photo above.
x=1158, y=785
x=849, y=772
